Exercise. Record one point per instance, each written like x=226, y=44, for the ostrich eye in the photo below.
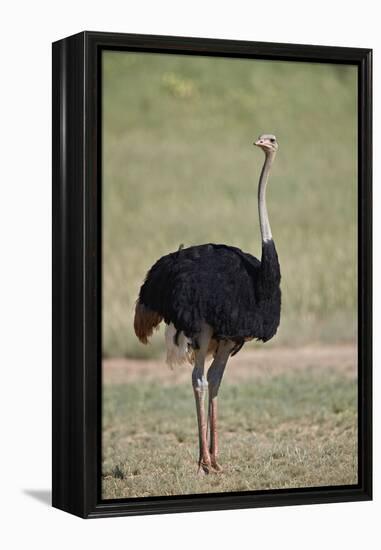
x=272, y=140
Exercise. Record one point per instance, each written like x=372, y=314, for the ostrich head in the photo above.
x=267, y=142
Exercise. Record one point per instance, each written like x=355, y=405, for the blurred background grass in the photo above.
x=179, y=167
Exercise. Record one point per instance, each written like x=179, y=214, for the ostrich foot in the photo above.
x=216, y=467
x=203, y=468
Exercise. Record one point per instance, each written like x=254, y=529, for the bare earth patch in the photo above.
x=248, y=364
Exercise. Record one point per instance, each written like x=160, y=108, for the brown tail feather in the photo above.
x=145, y=322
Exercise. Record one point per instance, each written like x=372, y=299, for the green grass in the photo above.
x=298, y=429
x=179, y=167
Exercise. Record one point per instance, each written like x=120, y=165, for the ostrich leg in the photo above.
x=215, y=374
x=200, y=388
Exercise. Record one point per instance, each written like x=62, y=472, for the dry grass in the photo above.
x=288, y=419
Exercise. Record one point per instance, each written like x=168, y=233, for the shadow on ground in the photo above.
x=42, y=495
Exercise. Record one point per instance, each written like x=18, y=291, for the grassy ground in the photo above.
x=288, y=418
x=179, y=167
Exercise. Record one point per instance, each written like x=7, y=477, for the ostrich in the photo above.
x=213, y=298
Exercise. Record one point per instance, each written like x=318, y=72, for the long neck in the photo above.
x=263, y=215
x=270, y=270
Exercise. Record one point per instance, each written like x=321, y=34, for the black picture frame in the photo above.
x=77, y=131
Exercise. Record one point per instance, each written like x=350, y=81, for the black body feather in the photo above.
x=235, y=293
